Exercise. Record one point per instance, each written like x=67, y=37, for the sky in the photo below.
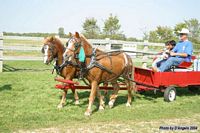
x=136, y=16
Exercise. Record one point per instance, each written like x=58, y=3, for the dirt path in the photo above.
x=122, y=127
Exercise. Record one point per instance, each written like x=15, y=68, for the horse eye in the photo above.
x=76, y=45
x=45, y=47
x=67, y=44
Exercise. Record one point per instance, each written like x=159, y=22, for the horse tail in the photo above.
x=128, y=76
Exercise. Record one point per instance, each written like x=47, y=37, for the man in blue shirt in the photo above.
x=181, y=52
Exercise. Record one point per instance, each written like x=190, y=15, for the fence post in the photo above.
x=1, y=52
x=145, y=58
x=108, y=45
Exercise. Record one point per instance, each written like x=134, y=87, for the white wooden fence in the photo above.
x=104, y=44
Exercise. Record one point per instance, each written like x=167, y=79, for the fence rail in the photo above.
x=97, y=41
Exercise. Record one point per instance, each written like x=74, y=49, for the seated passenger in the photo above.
x=164, y=55
x=181, y=52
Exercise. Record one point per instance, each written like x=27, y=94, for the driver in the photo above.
x=181, y=52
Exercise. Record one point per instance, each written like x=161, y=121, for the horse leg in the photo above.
x=101, y=100
x=63, y=100
x=105, y=91
x=114, y=95
x=93, y=92
x=75, y=97
x=101, y=97
x=129, y=85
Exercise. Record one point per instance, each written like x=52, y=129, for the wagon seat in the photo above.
x=184, y=66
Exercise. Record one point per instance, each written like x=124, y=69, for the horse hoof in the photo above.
x=111, y=104
x=128, y=105
x=87, y=113
x=77, y=102
x=101, y=108
x=60, y=106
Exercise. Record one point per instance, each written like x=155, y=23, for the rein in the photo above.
x=59, y=68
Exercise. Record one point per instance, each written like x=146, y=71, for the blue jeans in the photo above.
x=171, y=61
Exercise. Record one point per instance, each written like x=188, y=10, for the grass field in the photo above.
x=23, y=42
x=12, y=42
x=23, y=53
x=28, y=103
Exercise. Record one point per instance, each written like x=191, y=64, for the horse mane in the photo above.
x=90, y=45
x=98, y=51
x=54, y=41
x=85, y=39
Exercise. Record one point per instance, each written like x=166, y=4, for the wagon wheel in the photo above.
x=193, y=89
x=170, y=94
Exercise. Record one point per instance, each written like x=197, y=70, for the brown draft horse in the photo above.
x=119, y=63
x=53, y=50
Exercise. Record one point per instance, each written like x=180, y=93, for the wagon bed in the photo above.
x=147, y=77
x=166, y=82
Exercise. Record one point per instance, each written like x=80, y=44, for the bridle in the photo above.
x=77, y=44
x=51, y=49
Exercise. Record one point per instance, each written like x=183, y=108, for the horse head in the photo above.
x=73, y=46
x=51, y=48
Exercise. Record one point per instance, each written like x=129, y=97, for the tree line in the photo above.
x=164, y=33
x=112, y=29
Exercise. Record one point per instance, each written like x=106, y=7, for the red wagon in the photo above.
x=167, y=82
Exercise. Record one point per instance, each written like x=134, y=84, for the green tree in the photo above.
x=161, y=34
x=112, y=28
x=145, y=36
x=153, y=36
x=133, y=39
x=194, y=27
x=178, y=28
x=61, y=32
x=90, y=28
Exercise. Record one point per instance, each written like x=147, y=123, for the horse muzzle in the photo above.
x=67, y=57
x=47, y=60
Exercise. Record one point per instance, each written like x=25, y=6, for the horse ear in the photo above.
x=77, y=35
x=52, y=38
x=70, y=34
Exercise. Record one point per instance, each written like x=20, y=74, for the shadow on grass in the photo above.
x=81, y=95
x=149, y=95
x=185, y=92
x=119, y=101
x=6, y=87
x=7, y=68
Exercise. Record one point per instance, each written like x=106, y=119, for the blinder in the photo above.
x=42, y=50
x=51, y=49
x=76, y=44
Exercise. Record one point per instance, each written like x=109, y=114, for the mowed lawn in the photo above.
x=28, y=102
